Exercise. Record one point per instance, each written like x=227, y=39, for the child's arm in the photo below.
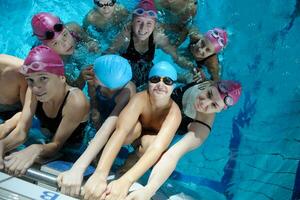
x=70, y=181
x=162, y=42
x=74, y=112
x=213, y=67
x=91, y=43
x=121, y=41
x=16, y=63
x=197, y=134
x=19, y=134
x=87, y=20
x=119, y=188
x=23, y=89
x=128, y=118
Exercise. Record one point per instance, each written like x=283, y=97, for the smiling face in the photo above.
x=209, y=100
x=44, y=85
x=202, y=49
x=105, y=7
x=143, y=27
x=64, y=44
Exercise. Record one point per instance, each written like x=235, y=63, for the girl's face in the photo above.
x=44, y=85
x=64, y=44
x=202, y=49
x=105, y=7
x=143, y=27
x=209, y=100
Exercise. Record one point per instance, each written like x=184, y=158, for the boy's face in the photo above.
x=160, y=89
x=105, y=7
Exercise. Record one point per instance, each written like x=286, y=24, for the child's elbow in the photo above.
x=159, y=148
x=21, y=136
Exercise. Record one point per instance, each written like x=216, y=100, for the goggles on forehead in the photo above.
x=166, y=80
x=101, y=5
x=215, y=34
x=50, y=34
x=228, y=100
x=40, y=66
x=142, y=12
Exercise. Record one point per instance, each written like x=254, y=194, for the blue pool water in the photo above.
x=254, y=149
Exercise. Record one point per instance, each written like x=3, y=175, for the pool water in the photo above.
x=253, y=151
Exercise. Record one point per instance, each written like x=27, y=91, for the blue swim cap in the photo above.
x=163, y=69
x=113, y=71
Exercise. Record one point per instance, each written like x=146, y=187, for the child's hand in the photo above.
x=183, y=61
x=140, y=194
x=18, y=162
x=95, y=187
x=118, y=189
x=93, y=46
x=88, y=74
x=70, y=182
x=198, y=75
x=1, y=155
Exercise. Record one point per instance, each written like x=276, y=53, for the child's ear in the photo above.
x=63, y=78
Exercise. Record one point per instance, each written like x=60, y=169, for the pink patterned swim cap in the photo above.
x=218, y=37
x=230, y=91
x=46, y=26
x=146, y=8
x=43, y=59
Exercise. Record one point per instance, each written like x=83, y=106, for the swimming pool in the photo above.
x=253, y=151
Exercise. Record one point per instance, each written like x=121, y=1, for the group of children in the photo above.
x=130, y=100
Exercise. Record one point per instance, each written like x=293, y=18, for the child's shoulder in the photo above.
x=92, y=16
x=121, y=8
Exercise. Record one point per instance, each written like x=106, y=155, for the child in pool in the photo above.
x=63, y=39
x=149, y=114
x=61, y=109
x=199, y=103
x=12, y=92
x=203, y=49
x=106, y=14
x=176, y=18
x=138, y=42
x=113, y=75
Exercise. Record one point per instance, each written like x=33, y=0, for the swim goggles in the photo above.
x=218, y=37
x=50, y=34
x=141, y=12
x=41, y=66
x=166, y=80
x=101, y=5
x=228, y=100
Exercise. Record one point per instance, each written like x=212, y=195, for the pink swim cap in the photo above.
x=146, y=8
x=43, y=59
x=230, y=91
x=218, y=37
x=44, y=22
